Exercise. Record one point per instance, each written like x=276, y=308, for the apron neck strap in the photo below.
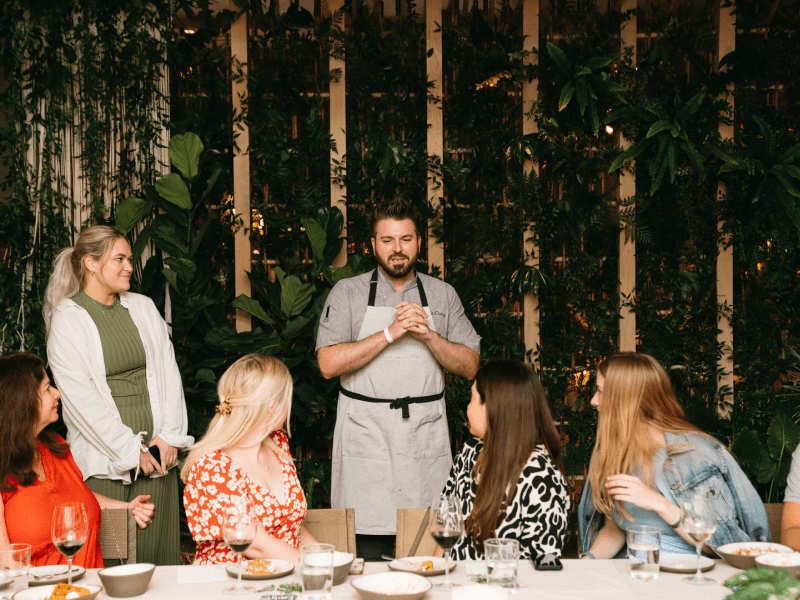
x=373, y=290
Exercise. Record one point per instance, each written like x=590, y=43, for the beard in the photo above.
x=398, y=270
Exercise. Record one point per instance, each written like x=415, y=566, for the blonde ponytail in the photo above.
x=69, y=268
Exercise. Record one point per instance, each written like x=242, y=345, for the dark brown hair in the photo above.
x=518, y=420
x=21, y=374
x=398, y=209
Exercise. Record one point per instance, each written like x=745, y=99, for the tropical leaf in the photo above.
x=184, y=152
x=172, y=188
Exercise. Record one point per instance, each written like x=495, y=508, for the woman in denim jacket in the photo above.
x=647, y=457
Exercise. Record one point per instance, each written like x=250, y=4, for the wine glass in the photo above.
x=699, y=521
x=69, y=531
x=238, y=531
x=447, y=525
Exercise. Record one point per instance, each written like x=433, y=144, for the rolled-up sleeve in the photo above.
x=459, y=327
x=335, y=322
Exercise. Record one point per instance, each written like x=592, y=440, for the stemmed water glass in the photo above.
x=447, y=525
x=238, y=531
x=69, y=530
x=699, y=521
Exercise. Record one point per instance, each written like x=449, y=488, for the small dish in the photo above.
x=127, y=581
x=391, y=586
x=50, y=574
x=4, y=581
x=412, y=564
x=734, y=554
x=789, y=562
x=44, y=591
x=278, y=568
x=684, y=563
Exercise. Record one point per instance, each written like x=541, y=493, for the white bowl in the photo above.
x=787, y=561
x=392, y=586
x=742, y=555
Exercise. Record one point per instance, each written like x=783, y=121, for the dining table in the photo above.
x=579, y=579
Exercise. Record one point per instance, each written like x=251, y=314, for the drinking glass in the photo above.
x=316, y=570
x=644, y=545
x=15, y=563
x=238, y=531
x=502, y=556
x=699, y=521
x=447, y=525
x=69, y=531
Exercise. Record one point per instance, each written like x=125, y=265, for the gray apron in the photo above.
x=389, y=455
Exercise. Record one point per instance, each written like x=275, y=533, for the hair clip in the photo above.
x=223, y=408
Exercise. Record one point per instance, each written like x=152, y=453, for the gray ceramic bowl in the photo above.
x=742, y=555
x=342, y=561
x=789, y=562
x=391, y=586
x=126, y=581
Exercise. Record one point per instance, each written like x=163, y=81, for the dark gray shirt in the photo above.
x=344, y=309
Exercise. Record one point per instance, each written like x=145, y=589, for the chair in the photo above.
x=774, y=518
x=409, y=524
x=335, y=526
x=117, y=535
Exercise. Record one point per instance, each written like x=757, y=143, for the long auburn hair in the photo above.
x=69, y=268
x=518, y=420
x=637, y=395
x=21, y=375
x=257, y=389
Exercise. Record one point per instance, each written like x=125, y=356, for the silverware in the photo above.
x=54, y=575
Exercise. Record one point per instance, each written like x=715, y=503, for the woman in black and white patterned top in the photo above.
x=510, y=476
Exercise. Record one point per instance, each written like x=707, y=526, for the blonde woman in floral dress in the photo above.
x=245, y=452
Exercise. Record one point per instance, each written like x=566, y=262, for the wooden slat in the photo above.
x=335, y=526
x=433, y=40
x=727, y=44
x=627, y=189
x=530, y=91
x=241, y=171
x=338, y=120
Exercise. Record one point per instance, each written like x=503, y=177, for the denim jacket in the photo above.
x=697, y=461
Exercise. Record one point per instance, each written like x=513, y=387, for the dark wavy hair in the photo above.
x=21, y=374
x=518, y=420
x=398, y=209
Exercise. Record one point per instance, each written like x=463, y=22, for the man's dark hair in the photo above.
x=398, y=209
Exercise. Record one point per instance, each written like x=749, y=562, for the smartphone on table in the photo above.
x=547, y=562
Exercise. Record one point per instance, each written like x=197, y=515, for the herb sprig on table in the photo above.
x=760, y=584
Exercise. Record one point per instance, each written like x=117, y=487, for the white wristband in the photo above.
x=388, y=336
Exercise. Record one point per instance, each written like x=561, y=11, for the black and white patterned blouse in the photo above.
x=537, y=516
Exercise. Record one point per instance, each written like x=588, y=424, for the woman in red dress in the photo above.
x=245, y=452
x=37, y=471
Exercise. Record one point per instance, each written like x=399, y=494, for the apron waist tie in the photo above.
x=401, y=403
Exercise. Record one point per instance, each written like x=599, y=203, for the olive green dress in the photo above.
x=126, y=376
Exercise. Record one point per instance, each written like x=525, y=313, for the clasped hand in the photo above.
x=143, y=511
x=627, y=488
x=412, y=318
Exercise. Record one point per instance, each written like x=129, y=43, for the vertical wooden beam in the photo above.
x=433, y=40
x=338, y=120
x=243, y=253
x=727, y=44
x=530, y=92
x=627, y=189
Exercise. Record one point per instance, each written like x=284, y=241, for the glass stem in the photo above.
x=446, y=569
x=239, y=572
x=69, y=570
x=699, y=575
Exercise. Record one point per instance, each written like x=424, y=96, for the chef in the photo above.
x=388, y=334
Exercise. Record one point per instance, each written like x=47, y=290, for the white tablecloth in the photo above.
x=580, y=579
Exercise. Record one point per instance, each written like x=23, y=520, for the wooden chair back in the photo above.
x=774, y=518
x=335, y=526
x=117, y=535
x=409, y=521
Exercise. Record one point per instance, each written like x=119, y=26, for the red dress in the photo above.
x=214, y=478
x=29, y=512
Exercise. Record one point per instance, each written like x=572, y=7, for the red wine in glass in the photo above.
x=69, y=531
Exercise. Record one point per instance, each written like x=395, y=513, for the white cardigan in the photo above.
x=101, y=444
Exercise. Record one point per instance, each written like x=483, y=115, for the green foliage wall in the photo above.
x=669, y=105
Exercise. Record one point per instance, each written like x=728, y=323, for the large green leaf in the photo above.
x=253, y=307
x=295, y=295
x=783, y=436
x=294, y=327
x=128, y=213
x=172, y=187
x=747, y=449
x=183, y=267
x=316, y=238
x=166, y=237
x=184, y=152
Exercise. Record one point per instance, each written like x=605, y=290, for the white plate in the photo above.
x=59, y=573
x=44, y=592
x=407, y=565
x=282, y=568
x=684, y=563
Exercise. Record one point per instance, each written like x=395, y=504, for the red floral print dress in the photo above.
x=214, y=478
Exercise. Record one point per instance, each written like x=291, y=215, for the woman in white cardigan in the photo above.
x=114, y=364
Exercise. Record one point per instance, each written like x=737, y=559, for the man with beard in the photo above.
x=389, y=334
